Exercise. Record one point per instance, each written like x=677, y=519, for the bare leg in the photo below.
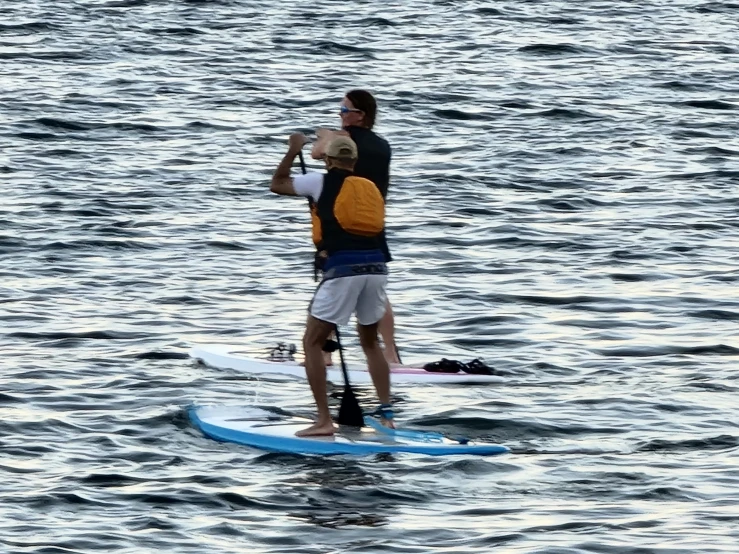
x=387, y=330
x=316, y=333
x=378, y=366
x=328, y=362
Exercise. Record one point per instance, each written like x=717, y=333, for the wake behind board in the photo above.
x=224, y=356
x=254, y=427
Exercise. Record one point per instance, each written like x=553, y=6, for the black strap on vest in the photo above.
x=319, y=260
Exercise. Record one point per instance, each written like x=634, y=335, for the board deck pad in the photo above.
x=224, y=356
x=261, y=429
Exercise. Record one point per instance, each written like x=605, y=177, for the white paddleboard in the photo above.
x=257, y=428
x=228, y=357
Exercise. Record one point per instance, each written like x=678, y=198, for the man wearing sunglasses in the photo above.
x=358, y=111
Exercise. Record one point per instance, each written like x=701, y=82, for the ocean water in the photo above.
x=564, y=204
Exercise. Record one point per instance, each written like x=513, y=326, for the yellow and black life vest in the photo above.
x=349, y=214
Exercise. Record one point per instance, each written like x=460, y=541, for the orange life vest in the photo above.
x=349, y=214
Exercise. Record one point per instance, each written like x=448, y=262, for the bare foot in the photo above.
x=317, y=430
x=387, y=423
x=391, y=356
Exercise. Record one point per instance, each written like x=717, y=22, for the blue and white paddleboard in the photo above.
x=230, y=357
x=259, y=429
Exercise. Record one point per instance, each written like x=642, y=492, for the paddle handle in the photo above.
x=302, y=162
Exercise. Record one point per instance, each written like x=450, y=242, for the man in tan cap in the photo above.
x=348, y=215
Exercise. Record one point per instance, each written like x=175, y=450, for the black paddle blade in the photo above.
x=349, y=411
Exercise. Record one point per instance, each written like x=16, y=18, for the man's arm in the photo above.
x=325, y=136
x=282, y=182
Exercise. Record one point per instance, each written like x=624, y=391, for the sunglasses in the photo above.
x=344, y=109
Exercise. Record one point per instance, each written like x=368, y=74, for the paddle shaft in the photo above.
x=341, y=357
x=350, y=412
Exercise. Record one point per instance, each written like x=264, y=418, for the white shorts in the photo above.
x=335, y=300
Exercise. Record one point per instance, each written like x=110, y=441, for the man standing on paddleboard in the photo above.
x=358, y=111
x=349, y=220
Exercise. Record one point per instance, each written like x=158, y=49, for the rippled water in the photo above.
x=564, y=203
